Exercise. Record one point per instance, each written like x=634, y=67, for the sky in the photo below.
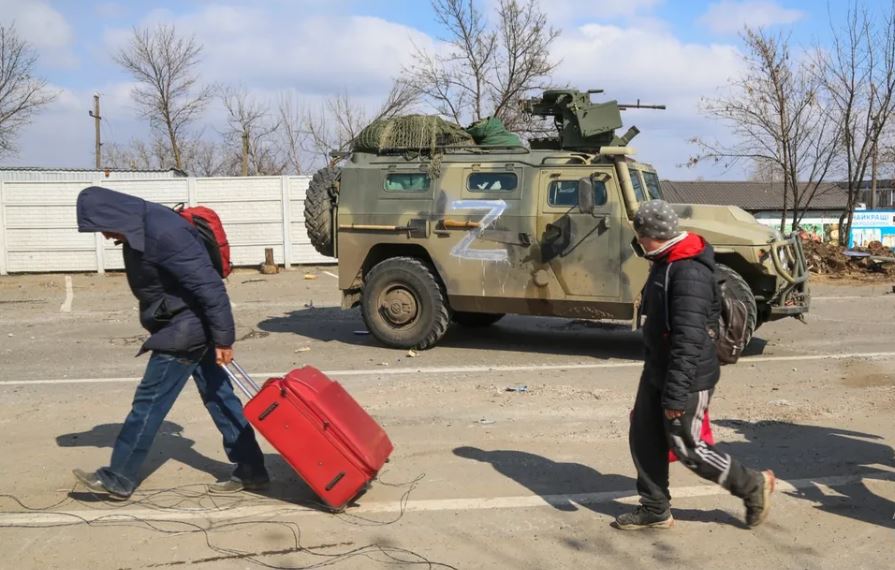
x=672, y=52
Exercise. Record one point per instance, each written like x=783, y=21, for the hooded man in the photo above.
x=681, y=303
x=185, y=307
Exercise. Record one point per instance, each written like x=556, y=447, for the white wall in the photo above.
x=39, y=230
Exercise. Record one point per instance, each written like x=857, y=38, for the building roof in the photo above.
x=175, y=171
x=751, y=196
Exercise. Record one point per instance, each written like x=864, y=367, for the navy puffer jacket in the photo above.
x=681, y=303
x=183, y=300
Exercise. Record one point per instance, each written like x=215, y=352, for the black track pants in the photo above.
x=652, y=435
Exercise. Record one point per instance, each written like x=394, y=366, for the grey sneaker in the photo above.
x=758, y=504
x=232, y=486
x=95, y=485
x=641, y=518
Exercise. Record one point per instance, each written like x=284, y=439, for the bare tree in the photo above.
x=292, y=135
x=778, y=120
x=21, y=93
x=169, y=94
x=138, y=154
x=858, y=76
x=251, y=131
x=488, y=69
x=340, y=119
x=203, y=157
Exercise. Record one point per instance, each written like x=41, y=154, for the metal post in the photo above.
x=100, y=246
x=191, y=199
x=100, y=254
x=287, y=222
x=4, y=261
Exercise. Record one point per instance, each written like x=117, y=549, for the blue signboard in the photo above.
x=874, y=225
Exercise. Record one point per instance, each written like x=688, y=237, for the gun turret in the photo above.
x=581, y=123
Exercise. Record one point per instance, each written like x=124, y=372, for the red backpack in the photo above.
x=211, y=230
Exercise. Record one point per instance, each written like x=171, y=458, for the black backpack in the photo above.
x=733, y=326
x=732, y=334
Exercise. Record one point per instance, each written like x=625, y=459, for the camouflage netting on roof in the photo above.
x=491, y=132
x=410, y=132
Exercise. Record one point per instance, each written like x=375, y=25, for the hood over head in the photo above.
x=104, y=210
x=685, y=246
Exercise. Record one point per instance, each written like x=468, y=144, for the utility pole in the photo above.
x=245, y=153
x=96, y=119
x=873, y=163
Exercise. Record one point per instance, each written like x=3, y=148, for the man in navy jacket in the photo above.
x=682, y=308
x=185, y=307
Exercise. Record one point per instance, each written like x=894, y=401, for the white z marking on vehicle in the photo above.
x=463, y=249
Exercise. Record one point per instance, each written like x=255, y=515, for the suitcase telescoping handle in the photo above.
x=248, y=386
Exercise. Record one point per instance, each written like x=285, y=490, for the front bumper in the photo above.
x=792, y=297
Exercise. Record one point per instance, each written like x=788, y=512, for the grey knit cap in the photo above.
x=655, y=219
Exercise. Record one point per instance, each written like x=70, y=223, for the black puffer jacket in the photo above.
x=183, y=301
x=680, y=302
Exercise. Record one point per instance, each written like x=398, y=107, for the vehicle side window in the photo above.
x=565, y=193
x=652, y=184
x=407, y=182
x=638, y=186
x=492, y=182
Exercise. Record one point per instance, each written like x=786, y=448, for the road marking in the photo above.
x=434, y=370
x=69, y=296
x=330, y=274
x=270, y=509
x=853, y=297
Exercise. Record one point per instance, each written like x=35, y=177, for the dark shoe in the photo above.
x=758, y=504
x=232, y=486
x=641, y=518
x=95, y=485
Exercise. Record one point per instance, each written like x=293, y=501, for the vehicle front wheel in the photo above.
x=404, y=305
x=737, y=287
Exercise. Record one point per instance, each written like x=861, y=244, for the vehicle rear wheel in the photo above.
x=404, y=305
x=476, y=320
x=733, y=284
x=320, y=200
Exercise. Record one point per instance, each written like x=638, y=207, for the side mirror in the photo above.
x=586, y=204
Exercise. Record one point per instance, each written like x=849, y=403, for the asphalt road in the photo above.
x=481, y=477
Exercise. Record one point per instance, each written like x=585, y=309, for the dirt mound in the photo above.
x=831, y=259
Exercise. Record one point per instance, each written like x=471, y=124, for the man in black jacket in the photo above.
x=185, y=307
x=681, y=304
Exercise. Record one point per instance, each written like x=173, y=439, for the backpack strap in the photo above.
x=667, y=298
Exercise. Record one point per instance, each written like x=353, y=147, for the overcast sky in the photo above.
x=671, y=52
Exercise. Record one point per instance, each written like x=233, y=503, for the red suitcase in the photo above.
x=319, y=429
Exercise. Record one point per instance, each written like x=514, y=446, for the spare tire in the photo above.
x=320, y=202
x=733, y=284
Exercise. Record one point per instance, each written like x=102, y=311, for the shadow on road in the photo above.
x=515, y=333
x=170, y=444
x=820, y=453
x=550, y=479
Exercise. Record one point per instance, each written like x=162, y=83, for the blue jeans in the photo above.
x=162, y=382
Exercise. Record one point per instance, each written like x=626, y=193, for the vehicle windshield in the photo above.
x=652, y=185
x=638, y=186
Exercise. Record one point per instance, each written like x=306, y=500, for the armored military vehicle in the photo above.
x=467, y=233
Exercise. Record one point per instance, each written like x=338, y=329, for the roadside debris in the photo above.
x=486, y=422
x=310, y=276
x=303, y=349
x=412, y=353
x=519, y=388
x=833, y=259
